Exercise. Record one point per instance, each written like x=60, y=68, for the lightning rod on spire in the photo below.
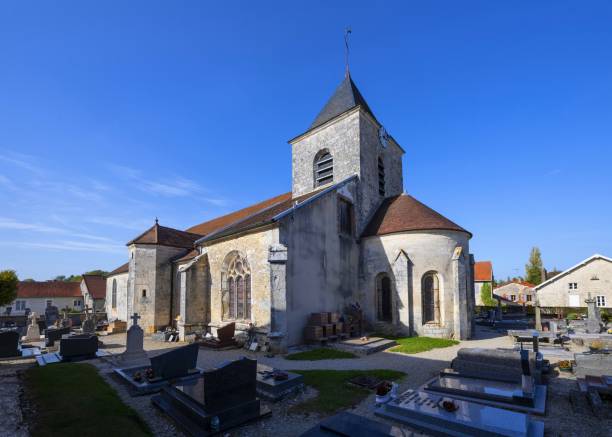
x=347, y=32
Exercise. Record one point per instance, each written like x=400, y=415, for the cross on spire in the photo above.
x=347, y=32
x=135, y=318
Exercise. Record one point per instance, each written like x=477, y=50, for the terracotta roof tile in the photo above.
x=48, y=289
x=165, y=236
x=405, y=213
x=262, y=217
x=226, y=220
x=96, y=285
x=124, y=268
x=483, y=271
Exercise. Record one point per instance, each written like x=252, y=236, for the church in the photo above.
x=346, y=233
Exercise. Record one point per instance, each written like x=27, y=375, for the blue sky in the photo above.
x=115, y=112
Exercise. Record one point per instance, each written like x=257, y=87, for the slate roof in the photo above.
x=165, y=236
x=48, y=289
x=124, y=268
x=405, y=213
x=96, y=286
x=346, y=97
x=483, y=271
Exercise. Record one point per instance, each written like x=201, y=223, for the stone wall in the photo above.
x=322, y=266
x=354, y=143
x=254, y=247
x=406, y=257
x=149, y=284
x=558, y=294
x=341, y=138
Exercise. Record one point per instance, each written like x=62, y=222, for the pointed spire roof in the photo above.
x=346, y=97
x=164, y=236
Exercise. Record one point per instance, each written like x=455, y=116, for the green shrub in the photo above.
x=573, y=316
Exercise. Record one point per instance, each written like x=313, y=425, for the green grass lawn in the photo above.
x=320, y=354
x=72, y=399
x=335, y=393
x=413, y=345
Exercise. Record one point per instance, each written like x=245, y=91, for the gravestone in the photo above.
x=89, y=324
x=220, y=399
x=175, y=363
x=134, y=354
x=496, y=364
x=51, y=315
x=593, y=364
x=593, y=321
x=9, y=344
x=538, y=315
x=78, y=347
x=33, y=332
x=55, y=334
x=224, y=338
x=274, y=384
x=441, y=415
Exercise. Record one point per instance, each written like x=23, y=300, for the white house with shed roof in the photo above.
x=345, y=233
x=591, y=277
x=37, y=296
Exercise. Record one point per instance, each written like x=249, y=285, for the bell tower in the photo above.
x=346, y=139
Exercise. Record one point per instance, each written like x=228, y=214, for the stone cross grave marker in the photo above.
x=134, y=349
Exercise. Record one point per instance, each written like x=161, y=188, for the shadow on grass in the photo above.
x=320, y=354
x=72, y=399
x=334, y=390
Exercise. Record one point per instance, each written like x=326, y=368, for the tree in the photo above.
x=486, y=296
x=8, y=286
x=533, y=270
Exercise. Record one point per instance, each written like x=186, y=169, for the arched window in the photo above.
x=114, y=295
x=381, y=176
x=237, y=286
x=323, y=168
x=384, y=306
x=430, y=296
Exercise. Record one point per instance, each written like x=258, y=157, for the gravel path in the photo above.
x=11, y=418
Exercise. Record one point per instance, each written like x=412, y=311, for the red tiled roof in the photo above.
x=165, y=236
x=96, y=286
x=48, y=289
x=187, y=256
x=124, y=268
x=405, y=213
x=226, y=220
x=262, y=217
x=483, y=271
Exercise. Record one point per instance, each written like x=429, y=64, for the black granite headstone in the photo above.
x=51, y=315
x=53, y=335
x=175, y=363
x=80, y=346
x=9, y=344
x=231, y=384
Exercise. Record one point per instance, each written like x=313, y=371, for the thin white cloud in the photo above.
x=6, y=223
x=137, y=225
x=76, y=246
x=25, y=162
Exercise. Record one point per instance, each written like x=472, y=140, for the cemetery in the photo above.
x=503, y=384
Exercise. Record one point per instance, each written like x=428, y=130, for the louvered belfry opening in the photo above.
x=381, y=177
x=323, y=168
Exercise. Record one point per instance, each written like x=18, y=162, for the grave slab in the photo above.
x=173, y=367
x=55, y=357
x=272, y=389
x=426, y=412
x=489, y=392
x=220, y=399
x=349, y=424
x=367, y=346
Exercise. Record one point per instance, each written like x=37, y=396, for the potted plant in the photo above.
x=565, y=365
x=385, y=391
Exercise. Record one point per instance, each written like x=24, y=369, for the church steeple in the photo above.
x=346, y=97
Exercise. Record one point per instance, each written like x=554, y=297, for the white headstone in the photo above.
x=134, y=354
x=33, y=333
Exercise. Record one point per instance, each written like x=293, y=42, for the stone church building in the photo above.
x=346, y=233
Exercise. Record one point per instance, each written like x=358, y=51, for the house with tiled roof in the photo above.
x=93, y=289
x=520, y=292
x=36, y=296
x=346, y=233
x=483, y=274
